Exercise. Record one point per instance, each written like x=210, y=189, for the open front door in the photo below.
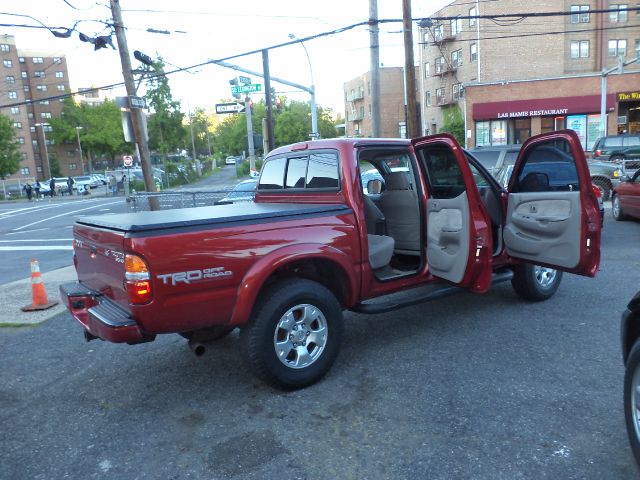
x=553, y=216
x=459, y=243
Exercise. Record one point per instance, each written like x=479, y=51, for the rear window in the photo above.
x=632, y=141
x=488, y=158
x=313, y=171
x=612, y=142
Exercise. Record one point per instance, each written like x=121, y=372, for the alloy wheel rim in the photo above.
x=545, y=276
x=616, y=206
x=300, y=336
x=635, y=402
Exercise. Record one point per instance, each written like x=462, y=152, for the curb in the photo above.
x=15, y=295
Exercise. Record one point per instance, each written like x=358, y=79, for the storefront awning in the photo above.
x=541, y=107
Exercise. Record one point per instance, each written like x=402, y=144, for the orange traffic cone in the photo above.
x=39, y=300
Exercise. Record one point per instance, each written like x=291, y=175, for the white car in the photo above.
x=230, y=160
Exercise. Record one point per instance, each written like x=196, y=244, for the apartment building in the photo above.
x=357, y=97
x=514, y=78
x=33, y=77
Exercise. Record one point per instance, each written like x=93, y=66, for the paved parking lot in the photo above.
x=465, y=387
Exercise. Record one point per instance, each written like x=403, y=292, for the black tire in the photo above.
x=616, y=209
x=631, y=390
x=616, y=158
x=269, y=327
x=534, y=283
x=604, y=186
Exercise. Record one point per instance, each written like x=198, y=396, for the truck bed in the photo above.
x=145, y=223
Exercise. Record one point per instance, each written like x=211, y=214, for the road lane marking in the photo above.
x=35, y=247
x=27, y=231
x=61, y=215
x=40, y=240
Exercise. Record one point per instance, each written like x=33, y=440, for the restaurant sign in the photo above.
x=628, y=96
x=533, y=113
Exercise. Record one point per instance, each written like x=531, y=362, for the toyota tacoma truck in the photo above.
x=313, y=244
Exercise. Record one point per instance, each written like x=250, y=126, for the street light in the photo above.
x=314, y=110
x=80, y=148
x=46, y=150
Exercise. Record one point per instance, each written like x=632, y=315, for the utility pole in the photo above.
x=375, y=68
x=252, y=148
x=410, y=72
x=268, y=133
x=136, y=113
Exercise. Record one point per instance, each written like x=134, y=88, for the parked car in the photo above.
x=625, y=201
x=605, y=176
x=630, y=335
x=99, y=178
x=494, y=157
x=84, y=181
x=605, y=146
x=242, y=192
x=60, y=184
x=230, y=160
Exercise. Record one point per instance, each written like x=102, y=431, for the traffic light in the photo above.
x=234, y=82
x=143, y=58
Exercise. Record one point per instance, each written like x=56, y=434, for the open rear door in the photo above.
x=459, y=242
x=553, y=216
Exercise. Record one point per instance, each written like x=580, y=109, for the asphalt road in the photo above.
x=467, y=387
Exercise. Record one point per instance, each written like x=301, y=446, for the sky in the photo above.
x=200, y=31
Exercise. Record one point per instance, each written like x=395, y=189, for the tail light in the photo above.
x=597, y=153
x=137, y=279
x=596, y=191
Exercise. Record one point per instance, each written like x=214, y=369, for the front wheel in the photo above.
x=632, y=399
x=535, y=283
x=616, y=210
x=294, y=334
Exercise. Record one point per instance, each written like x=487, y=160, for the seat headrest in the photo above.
x=397, y=181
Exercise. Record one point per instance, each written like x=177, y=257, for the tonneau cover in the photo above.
x=213, y=216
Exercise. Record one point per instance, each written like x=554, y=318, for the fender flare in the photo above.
x=255, y=278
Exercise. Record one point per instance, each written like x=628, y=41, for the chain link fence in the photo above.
x=139, y=202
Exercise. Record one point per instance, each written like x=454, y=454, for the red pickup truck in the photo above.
x=316, y=242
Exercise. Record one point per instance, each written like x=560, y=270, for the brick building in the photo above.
x=513, y=80
x=357, y=98
x=33, y=77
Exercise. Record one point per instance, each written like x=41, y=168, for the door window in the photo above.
x=272, y=174
x=548, y=167
x=444, y=174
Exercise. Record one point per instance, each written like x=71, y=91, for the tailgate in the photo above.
x=99, y=261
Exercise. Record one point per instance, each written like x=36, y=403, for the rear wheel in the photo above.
x=616, y=210
x=616, y=158
x=294, y=335
x=604, y=186
x=632, y=399
x=535, y=283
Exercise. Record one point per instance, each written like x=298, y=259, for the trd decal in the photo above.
x=194, y=275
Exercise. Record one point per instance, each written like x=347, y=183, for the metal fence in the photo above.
x=139, y=202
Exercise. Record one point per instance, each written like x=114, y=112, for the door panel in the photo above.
x=544, y=228
x=448, y=237
x=553, y=215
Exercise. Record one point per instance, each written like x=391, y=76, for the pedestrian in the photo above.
x=28, y=190
x=70, y=183
x=36, y=189
x=52, y=187
x=113, y=183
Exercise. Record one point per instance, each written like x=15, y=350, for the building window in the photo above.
x=61, y=87
x=4, y=47
x=15, y=110
x=57, y=60
x=10, y=79
x=25, y=88
x=439, y=64
x=34, y=143
x=427, y=70
x=438, y=33
x=41, y=88
x=20, y=140
x=44, y=102
x=440, y=95
x=47, y=128
x=59, y=74
x=427, y=98
x=580, y=49
x=39, y=74
x=37, y=60
x=617, y=48
x=369, y=110
x=13, y=95
x=473, y=54
x=45, y=114
x=7, y=63
x=17, y=125
x=72, y=166
x=30, y=115
x=32, y=129
x=23, y=74
x=637, y=50
x=456, y=26
x=579, y=13
x=456, y=58
x=71, y=153
x=472, y=13
x=620, y=15
x=456, y=92
x=21, y=59
x=24, y=171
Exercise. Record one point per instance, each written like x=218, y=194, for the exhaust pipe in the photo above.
x=89, y=336
x=197, y=348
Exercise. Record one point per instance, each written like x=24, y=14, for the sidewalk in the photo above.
x=15, y=295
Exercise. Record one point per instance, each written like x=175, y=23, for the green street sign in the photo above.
x=256, y=87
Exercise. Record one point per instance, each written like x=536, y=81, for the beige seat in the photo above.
x=380, y=250
x=399, y=204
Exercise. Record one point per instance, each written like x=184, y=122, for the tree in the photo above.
x=101, y=132
x=9, y=153
x=201, y=123
x=454, y=123
x=166, y=132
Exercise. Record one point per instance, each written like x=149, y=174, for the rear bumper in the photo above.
x=100, y=316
